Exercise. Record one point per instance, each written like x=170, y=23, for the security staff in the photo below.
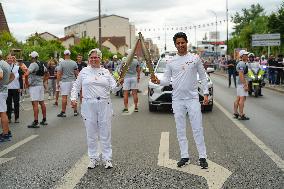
x=6, y=76
x=96, y=109
x=34, y=82
x=66, y=75
x=130, y=82
x=183, y=69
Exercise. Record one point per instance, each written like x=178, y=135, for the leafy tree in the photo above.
x=7, y=42
x=247, y=15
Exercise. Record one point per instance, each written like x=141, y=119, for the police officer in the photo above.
x=96, y=109
x=242, y=86
x=253, y=65
x=6, y=76
x=34, y=81
x=183, y=69
x=66, y=73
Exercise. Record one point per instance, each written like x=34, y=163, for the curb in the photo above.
x=266, y=87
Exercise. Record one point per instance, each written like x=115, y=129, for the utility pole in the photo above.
x=227, y=15
x=165, y=38
x=100, y=27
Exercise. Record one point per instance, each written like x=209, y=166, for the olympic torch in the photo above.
x=147, y=56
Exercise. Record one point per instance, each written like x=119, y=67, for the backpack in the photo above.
x=40, y=71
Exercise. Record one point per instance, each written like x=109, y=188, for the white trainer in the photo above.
x=108, y=164
x=93, y=163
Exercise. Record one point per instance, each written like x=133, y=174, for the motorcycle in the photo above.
x=255, y=81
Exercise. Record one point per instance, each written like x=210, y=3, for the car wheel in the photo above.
x=152, y=108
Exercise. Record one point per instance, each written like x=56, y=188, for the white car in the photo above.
x=159, y=96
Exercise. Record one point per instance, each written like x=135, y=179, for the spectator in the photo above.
x=35, y=77
x=280, y=71
x=51, y=65
x=231, y=65
x=6, y=76
x=14, y=89
x=271, y=70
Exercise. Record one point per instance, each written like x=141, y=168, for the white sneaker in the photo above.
x=49, y=97
x=108, y=164
x=93, y=163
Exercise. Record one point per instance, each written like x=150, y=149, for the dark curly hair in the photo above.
x=180, y=35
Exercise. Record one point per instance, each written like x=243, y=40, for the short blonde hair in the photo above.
x=97, y=51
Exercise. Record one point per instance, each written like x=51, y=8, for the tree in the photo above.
x=7, y=42
x=247, y=15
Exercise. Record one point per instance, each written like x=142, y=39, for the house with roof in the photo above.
x=112, y=26
x=48, y=36
x=3, y=22
x=115, y=44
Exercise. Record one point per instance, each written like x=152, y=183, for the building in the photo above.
x=115, y=44
x=112, y=26
x=3, y=21
x=48, y=36
x=69, y=40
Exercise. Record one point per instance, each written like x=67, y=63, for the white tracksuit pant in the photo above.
x=192, y=107
x=97, y=115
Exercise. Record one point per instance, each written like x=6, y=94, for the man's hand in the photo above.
x=205, y=100
x=73, y=103
x=121, y=81
x=154, y=79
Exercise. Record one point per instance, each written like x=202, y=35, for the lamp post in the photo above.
x=100, y=27
x=227, y=15
x=216, y=32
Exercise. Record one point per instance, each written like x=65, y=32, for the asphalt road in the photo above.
x=266, y=113
x=45, y=160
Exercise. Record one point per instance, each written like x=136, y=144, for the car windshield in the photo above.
x=161, y=67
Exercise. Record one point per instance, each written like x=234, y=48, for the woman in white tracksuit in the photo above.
x=96, y=108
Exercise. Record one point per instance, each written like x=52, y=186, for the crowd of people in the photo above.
x=93, y=83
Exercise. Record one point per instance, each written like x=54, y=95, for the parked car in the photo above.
x=160, y=96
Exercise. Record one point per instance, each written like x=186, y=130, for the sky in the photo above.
x=26, y=17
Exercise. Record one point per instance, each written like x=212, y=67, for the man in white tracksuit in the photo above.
x=96, y=108
x=182, y=70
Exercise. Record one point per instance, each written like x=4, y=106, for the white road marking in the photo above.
x=73, y=176
x=215, y=175
x=275, y=158
x=13, y=147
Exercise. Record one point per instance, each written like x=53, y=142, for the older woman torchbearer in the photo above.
x=96, y=108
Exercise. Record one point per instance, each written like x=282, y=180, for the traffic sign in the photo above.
x=263, y=43
x=271, y=36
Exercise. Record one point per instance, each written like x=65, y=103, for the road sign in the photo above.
x=264, y=43
x=271, y=36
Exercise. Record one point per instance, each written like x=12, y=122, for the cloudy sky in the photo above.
x=29, y=16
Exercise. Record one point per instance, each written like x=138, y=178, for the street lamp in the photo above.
x=216, y=32
x=227, y=14
x=100, y=27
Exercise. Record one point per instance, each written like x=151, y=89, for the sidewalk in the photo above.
x=275, y=88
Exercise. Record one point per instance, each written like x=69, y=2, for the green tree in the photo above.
x=242, y=19
x=7, y=42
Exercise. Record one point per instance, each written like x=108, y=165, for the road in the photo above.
x=56, y=157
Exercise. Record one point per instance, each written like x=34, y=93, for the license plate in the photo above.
x=255, y=83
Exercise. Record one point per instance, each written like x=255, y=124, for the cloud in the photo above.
x=27, y=17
